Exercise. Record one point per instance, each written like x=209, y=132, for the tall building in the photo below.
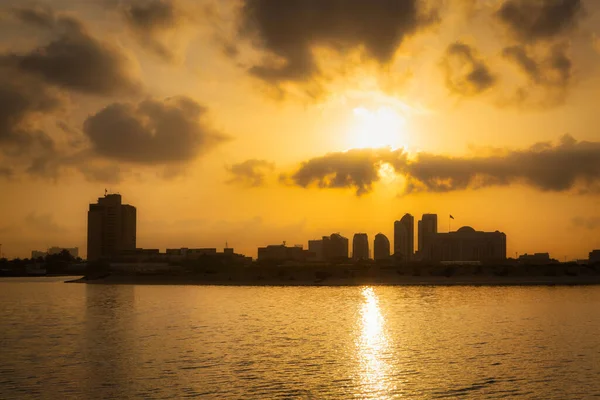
x=427, y=225
x=360, y=247
x=466, y=244
x=404, y=238
x=111, y=228
x=335, y=247
x=381, y=247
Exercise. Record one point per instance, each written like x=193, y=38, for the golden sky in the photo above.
x=259, y=121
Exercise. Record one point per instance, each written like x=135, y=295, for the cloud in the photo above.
x=153, y=131
x=566, y=166
x=540, y=20
x=543, y=166
x=590, y=223
x=466, y=73
x=250, y=173
x=289, y=30
x=38, y=15
x=552, y=72
x=100, y=172
x=23, y=100
x=151, y=21
x=74, y=59
x=356, y=168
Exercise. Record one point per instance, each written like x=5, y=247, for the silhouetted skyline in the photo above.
x=265, y=120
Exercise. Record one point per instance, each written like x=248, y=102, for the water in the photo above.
x=62, y=341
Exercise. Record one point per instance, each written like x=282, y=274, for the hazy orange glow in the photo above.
x=382, y=127
x=175, y=103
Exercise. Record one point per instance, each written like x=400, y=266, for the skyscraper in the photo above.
x=360, y=247
x=427, y=225
x=381, y=247
x=111, y=228
x=404, y=238
x=335, y=247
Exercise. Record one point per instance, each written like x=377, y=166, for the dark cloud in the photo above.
x=546, y=167
x=357, y=169
x=537, y=20
x=466, y=73
x=250, y=172
x=22, y=101
x=153, y=131
x=568, y=165
x=149, y=20
x=38, y=15
x=74, y=59
x=590, y=223
x=554, y=70
x=549, y=75
x=290, y=29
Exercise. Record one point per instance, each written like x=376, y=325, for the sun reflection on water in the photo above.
x=373, y=347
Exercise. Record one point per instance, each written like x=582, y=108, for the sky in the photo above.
x=253, y=122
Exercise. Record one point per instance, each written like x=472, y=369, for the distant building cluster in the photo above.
x=464, y=245
x=74, y=251
x=536, y=259
x=112, y=236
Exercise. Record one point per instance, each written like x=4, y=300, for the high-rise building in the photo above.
x=360, y=247
x=381, y=247
x=335, y=247
x=427, y=226
x=404, y=238
x=111, y=228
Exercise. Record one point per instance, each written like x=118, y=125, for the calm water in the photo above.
x=61, y=341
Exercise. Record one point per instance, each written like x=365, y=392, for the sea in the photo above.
x=78, y=341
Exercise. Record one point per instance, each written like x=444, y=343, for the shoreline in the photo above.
x=335, y=281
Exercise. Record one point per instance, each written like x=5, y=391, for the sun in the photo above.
x=375, y=128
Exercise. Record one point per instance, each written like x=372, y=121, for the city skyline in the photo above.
x=405, y=235
x=226, y=127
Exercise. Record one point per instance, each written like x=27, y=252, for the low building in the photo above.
x=465, y=244
x=316, y=247
x=74, y=251
x=282, y=253
x=536, y=259
x=186, y=253
x=35, y=254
